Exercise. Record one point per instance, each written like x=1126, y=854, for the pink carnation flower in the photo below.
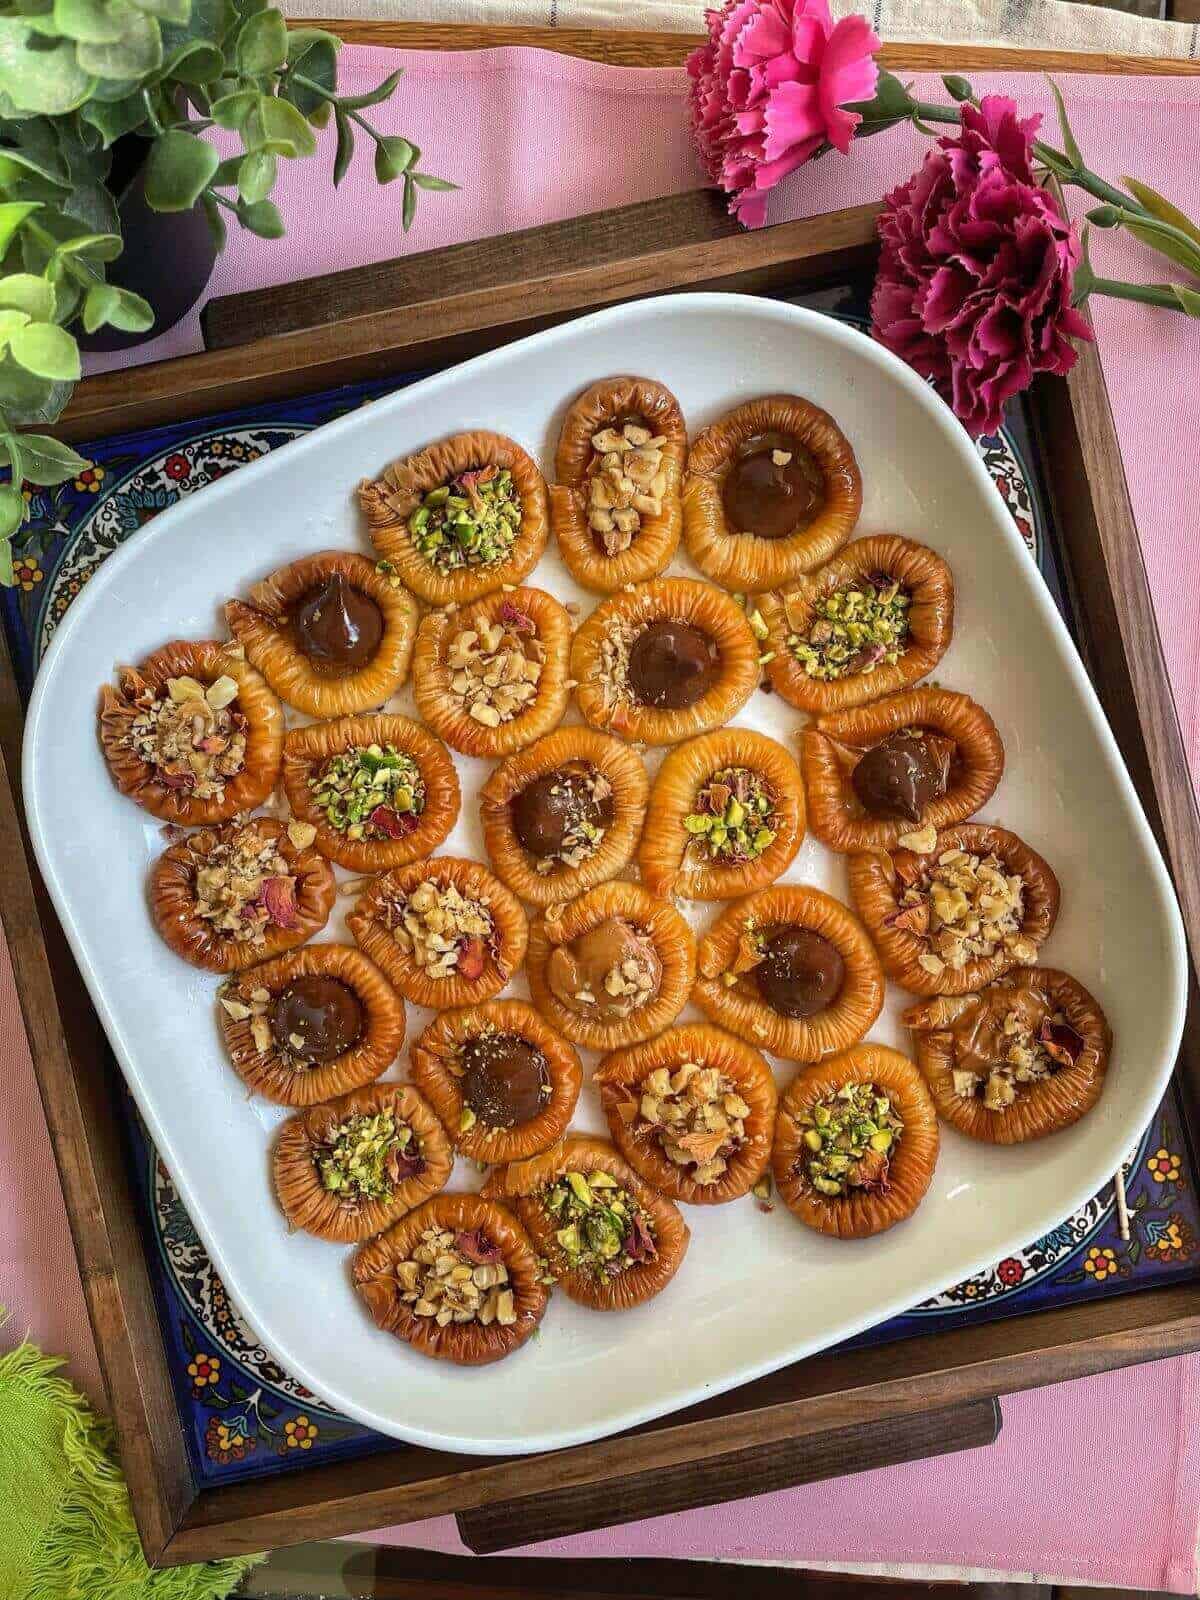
x=977, y=268
x=769, y=90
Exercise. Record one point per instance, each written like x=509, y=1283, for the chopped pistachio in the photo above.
x=734, y=819
x=859, y=627
x=370, y=792
x=601, y=1228
x=361, y=1157
x=471, y=521
x=847, y=1139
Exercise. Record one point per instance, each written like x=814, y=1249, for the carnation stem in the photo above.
x=1057, y=160
x=1150, y=294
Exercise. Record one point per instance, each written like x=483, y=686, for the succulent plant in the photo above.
x=75, y=76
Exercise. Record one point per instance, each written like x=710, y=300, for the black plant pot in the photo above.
x=168, y=256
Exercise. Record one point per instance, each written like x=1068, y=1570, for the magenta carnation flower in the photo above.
x=769, y=90
x=977, y=268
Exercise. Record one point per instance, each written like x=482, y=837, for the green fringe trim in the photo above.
x=90, y=1548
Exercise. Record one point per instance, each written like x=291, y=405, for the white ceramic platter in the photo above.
x=755, y=1291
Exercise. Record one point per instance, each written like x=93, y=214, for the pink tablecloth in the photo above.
x=1097, y=1480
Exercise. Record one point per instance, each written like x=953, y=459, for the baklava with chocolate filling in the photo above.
x=612, y=967
x=895, y=771
x=1022, y=1058
x=229, y=896
x=615, y=507
x=772, y=490
x=564, y=814
x=460, y=518
x=458, y=1279
x=330, y=633
x=502, y=1081
x=856, y=1142
x=978, y=904
x=726, y=816
x=193, y=734
x=445, y=931
x=791, y=969
x=311, y=1025
x=348, y=1168
x=692, y=1111
x=663, y=661
x=610, y=1242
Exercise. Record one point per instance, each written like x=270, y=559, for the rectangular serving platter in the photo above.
x=755, y=1292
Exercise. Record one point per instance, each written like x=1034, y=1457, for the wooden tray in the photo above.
x=837, y=1411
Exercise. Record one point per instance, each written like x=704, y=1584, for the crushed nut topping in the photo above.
x=364, y=1158
x=628, y=481
x=243, y=885
x=375, y=792
x=696, y=1115
x=734, y=819
x=471, y=521
x=848, y=1140
x=387, y=569
x=601, y=1227
x=254, y=1008
x=581, y=837
x=964, y=907
x=855, y=629
x=443, y=931
x=445, y=1279
x=194, y=736
x=495, y=670
x=1006, y=1039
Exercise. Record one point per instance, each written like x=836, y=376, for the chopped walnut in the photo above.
x=628, y=482
x=242, y=883
x=442, y=930
x=495, y=669
x=697, y=1116
x=965, y=907
x=440, y=1280
x=1005, y=1040
x=193, y=735
x=252, y=1008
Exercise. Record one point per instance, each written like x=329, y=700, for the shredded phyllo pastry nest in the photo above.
x=608, y=1239
x=795, y=946
x=348, y=1168
x=726, y=816
x=458, y=1278
x=228, y=896
x=663, y=661
x=978, y=904
x=612, y=967
x=875, y=619
x=491, y=678
x=445, y=931
x=379, y=791
x=563, y=814
x=693, y=1111
x=954, y=759
x=503, y=1083
x=1021, y=1058
x=193, y=735
x=856, y=1142
x=793, y=433
x=459, y=519
x=331, y=634
x=257, y=1010
x=615, y=507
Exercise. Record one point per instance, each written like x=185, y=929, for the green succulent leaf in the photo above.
x=137, y=52
x=1073, y=153
x=29, y=400
x=12, y=214
x=261, y=44
x=426, y=180
x=10, y=321
x=115, y=117
x=177, y=11
x=215, y=219
x=20, y=166
x=12, y=514
x=91, y=21
x=46, y=350
x=178, y=170
x=99, y=246
x=106, y=304
x=194, y=61
x=41, y=79
x=393, y=157
x=344, y=153
x=22, y=291
x=262, y=218
x=312, y=53
x=283, y=126
x=256, y=176
x=231, y=110
x=47, y=460
x=372, y=97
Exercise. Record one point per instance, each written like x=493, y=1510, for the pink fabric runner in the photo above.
x=1097, y=1480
